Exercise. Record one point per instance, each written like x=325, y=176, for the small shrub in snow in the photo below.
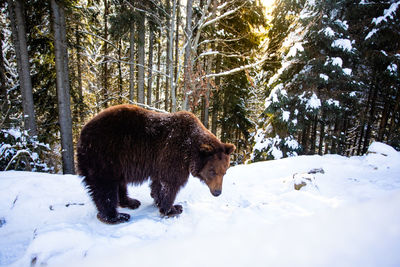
x=270, y=148
x=19, y=151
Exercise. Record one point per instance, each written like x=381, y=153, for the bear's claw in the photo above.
x=130, y=203
x=174, y=211
x=120, y=218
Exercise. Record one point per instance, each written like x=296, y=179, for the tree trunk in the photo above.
x=79, y=69
x=322, y=133
x=304, y=139
x=314, y=135
x=216, y=95
x=361, y=136
x=206, y=108
x=63, y=94
x=187, y=61
x=141, y=55
x=150, y=75
x=371, y=119
x=21, y=51
x=131, y=61
x=208, y=66
x=158, y=71
x=393, y=118
x=335, y=137
x=384, y=120
x=170, y=56
x=120, y=80
x=178, y=13
x=105, y=56
x=4, y=105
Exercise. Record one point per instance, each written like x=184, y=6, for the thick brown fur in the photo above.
x=128, y=144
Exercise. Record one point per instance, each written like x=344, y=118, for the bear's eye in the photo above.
x=212, y=173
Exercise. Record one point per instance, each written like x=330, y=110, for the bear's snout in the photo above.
x=216, y=193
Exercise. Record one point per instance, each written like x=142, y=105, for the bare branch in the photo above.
x=232, y=71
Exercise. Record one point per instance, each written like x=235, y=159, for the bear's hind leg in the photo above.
x=124, y=200
x=105, y=196
x=155, y=187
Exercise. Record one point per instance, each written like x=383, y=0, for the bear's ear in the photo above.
x=229, y=148
x=206, y=149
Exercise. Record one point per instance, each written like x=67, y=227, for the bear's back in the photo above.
x=132, y=141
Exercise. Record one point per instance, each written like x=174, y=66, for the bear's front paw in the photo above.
x=174, y=211
x=119, y=218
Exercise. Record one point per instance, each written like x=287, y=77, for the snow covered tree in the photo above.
x=324, y=97
x=234, y=88
x=36, y=16
x=379, y=42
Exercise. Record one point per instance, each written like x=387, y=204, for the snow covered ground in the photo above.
x=347, y=214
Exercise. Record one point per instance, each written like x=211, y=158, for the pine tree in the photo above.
x=330, y=77
x=313, y=89
x=379, y=41
x=234, y=90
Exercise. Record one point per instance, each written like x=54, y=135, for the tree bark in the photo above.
x=393, y=118
x=187, y=61
x=131, y=61
x=150, y=75
x=158, y=70
x=322, y=133
x=209, y=64
x=384, y=119
x=314, y=134
x=120, y=80
x=305, y=137
x=170, y=56
x=3, y=88
x=167, y=70
x=334, y=137
x=176, y=70
x=63, y=91
x=105, y=56
x=141, y=55
x=21, y=51
x=371, y=118
x=216, y=95
x=79, y=67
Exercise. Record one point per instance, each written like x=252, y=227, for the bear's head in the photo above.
x=212, y=165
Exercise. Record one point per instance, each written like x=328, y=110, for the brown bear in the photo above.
x=128, y=144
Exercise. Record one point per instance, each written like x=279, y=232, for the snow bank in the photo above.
x=348, y=216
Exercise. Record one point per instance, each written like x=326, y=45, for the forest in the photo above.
x=276, y=78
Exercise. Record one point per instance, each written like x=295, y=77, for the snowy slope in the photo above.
x=349, y=215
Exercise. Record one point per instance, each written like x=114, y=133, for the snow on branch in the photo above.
x=230, y=12
x=19, y=152
x=388, y=13
x=232, y=71
x=214, y=53
x=146, y=106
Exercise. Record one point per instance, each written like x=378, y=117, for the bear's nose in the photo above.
x=216, y=192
